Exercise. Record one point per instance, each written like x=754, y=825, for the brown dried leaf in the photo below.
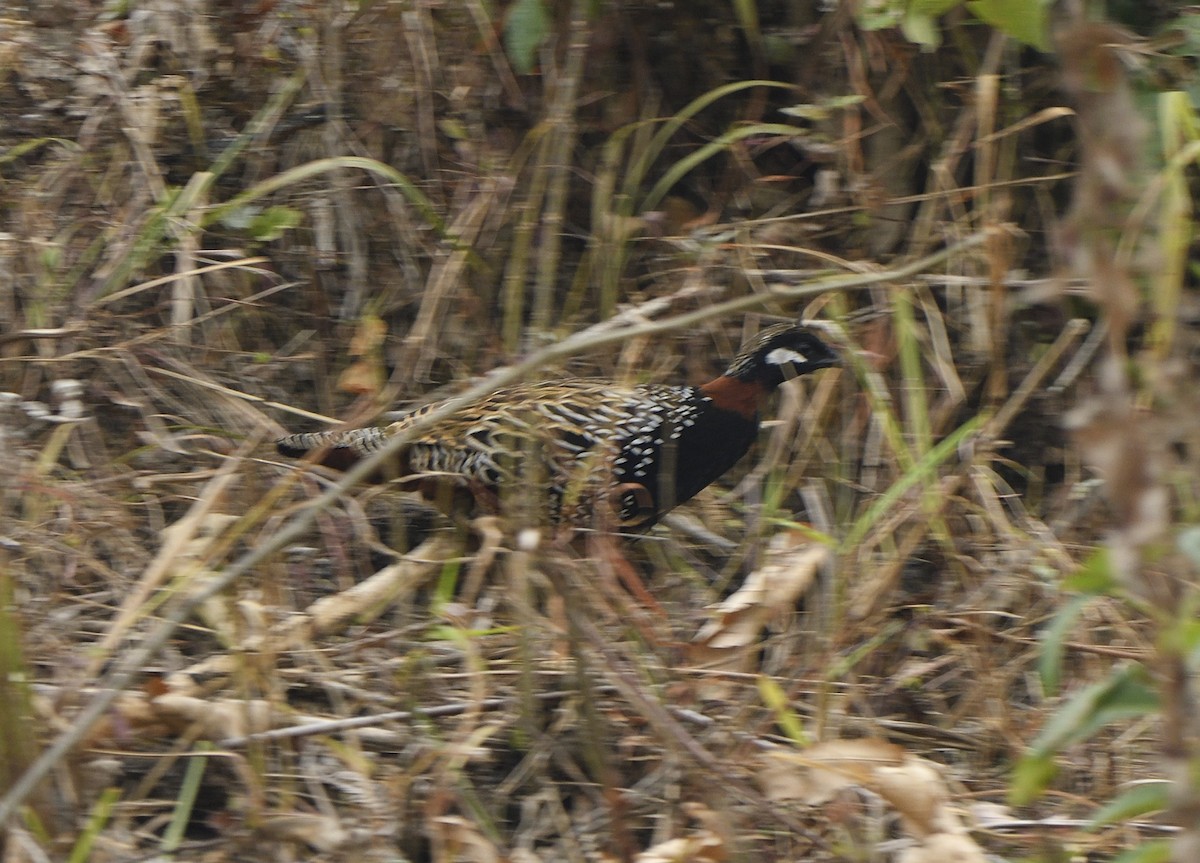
x=916, y=790
x=130, y=715
x=319, y=832
x=366, y=375
x=218, y=719
x=945, y=848
x=192, y=539
x=701, y=847
x=369, y=597
x=362, y=377
x=790, y=564
x=814, y=775
x=369, y=336
x=913, y=786
x=456, y=838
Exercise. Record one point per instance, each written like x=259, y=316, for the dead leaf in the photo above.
x=455, y=838
x=368, y=337
x=368, y=374
x=362, y=377
x=319, y=832
x=193, y=538
x=915, y=788
x=790, y=564
x=218, y=719
x=814, y=775
x=945, y=848
x=702, y=846
x=729, y=641
x=911, y=785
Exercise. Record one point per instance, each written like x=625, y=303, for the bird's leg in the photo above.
x=491, y=539
x=604, y=548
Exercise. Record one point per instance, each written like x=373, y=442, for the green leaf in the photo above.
x=1126, y=694
x=1053, y=640
x=97, y=819
x=272, y=222
x=1182, y=636
x=454, y=129
x=775, y=698
x=746, y=12
x=186, y=799
x=1141, y=799
x=924, y=470
x=922, y=30
x=872, y=16
x=1154, y=851
x=932, y=8
x=14, y=153
x=680, y=169
x=1025, y=20
x=239, y=218
x=1095, y=577
x=525, y=30
x=821, y=110
x=1030, y=778
x=302, y=173
x=447, y=583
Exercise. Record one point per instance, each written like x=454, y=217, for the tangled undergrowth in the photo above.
x=945, y=608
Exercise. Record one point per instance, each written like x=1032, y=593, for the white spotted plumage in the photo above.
x=642, y=449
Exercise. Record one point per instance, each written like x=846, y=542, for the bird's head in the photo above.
x=780, y=353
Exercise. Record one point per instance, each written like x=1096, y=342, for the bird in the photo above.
x=599, y=453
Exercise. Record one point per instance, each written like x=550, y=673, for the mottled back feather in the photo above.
x=602, y=452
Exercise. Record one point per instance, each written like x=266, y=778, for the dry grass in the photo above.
x=219, y=228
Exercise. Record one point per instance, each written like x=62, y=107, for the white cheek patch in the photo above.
x=783, y=356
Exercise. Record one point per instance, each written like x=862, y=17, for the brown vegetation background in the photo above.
x=222, y=221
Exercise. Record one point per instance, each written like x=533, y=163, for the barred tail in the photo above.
x=342, y=448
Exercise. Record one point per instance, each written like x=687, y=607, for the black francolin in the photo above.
x=605, y=454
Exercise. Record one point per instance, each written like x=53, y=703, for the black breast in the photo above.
x=683, y=445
